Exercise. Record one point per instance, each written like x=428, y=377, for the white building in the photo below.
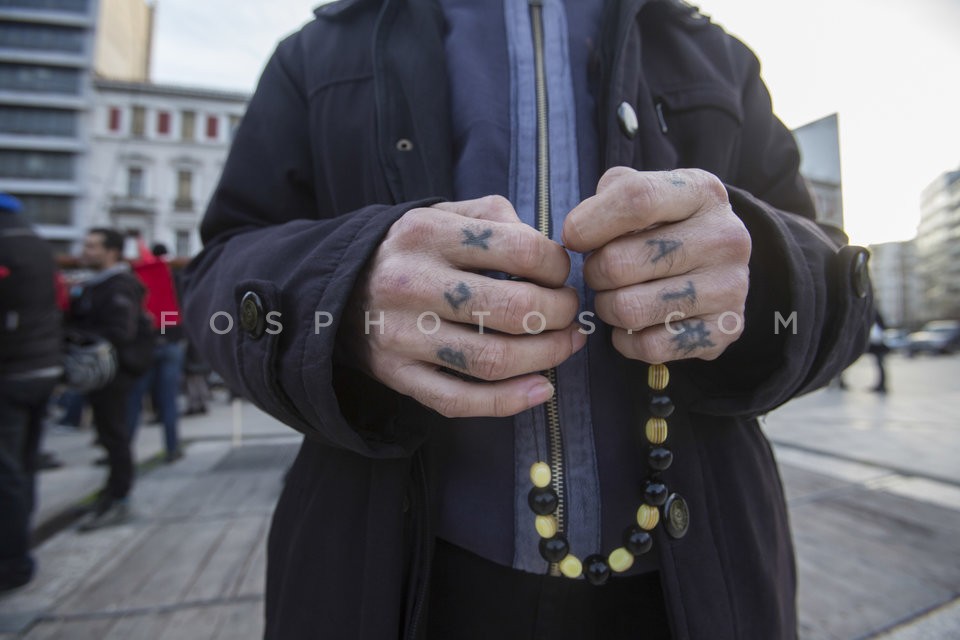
x=896, y=284
x=156, y=155
x=46, y=57
x=819, y=143
x=938, y=246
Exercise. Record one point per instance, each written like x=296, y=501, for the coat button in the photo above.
x=676, y=516
x=859, y=275
x=627, y=118
x=252, y=318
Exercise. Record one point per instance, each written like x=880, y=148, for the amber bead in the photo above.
x=571, y=566
x=596, y=569
x=660, y=458
x=540, y=474
x=655, y=493
x=620, y=560
x=656, y=430
x=542, y=501
x=661, y=406
x=637, y=541
x=647, y=517
x=546, y=526
x=658, y=377
x=554, y=549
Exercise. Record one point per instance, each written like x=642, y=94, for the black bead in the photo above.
x=637, y=541
x=596, y=569
x=543, y=501
x=660, y=458
x=661, y=406
x=554, y=549
x=655, y=493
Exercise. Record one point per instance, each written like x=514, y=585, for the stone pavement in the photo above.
x=872, y=482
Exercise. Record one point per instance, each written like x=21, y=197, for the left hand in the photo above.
x=669, y=262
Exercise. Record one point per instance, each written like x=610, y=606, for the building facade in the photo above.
x=819, y=143
x=46, y=59
x=938, y=247
x=156, y=155
x=896, y=284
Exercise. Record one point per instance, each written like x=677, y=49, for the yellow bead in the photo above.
x=571, y=567
x=546, y=526
x=620, y=560
x=540, y=474
x=647, y=517
x=656, y=430
x=658, y=377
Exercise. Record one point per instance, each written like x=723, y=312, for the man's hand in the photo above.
x=669, y=262
x=493, y=333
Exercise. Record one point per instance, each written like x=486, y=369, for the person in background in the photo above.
x=30, y=343
x=878, y=347
x=163, y=379
x=195, y=374
x=109, y=305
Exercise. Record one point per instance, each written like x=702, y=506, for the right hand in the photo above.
x=427, y=263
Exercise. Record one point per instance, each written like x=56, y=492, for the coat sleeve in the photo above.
x=266, y=241
x=809, y=307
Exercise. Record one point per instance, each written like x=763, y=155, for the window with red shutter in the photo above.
x=163, y=123
x=212, y=122
x=114, y=119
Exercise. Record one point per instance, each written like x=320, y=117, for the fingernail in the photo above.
x=540, y=393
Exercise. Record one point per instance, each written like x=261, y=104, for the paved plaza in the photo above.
x=872, y=482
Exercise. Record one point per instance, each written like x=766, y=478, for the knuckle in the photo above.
x=641, y=193
x=490, y=361
x=710, y=186
x=500, y=405
x=528, y=250
x=412, y=227
x=628, y=309
x=391, y=282
x=449, y=406
x=497, y=203
x=615, y=265
x=517, y=303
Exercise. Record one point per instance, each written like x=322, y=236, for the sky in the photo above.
x=890, y=69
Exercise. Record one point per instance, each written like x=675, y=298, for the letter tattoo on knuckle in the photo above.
x=664, y=248
x=452, y=357
x=687, y=293
x=471, y=239
x=458, y=296
x=693, y=335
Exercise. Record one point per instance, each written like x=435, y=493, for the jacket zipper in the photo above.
x=554, y=435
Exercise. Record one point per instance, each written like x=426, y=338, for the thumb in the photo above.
x=492, y=208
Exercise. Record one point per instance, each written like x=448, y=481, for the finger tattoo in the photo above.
x=471, y=239
x=452, y=357
x=664, y=248
x=688, y=293
x=458, y=296
x=693, y=335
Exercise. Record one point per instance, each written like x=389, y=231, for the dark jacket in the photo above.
x=315, y=179
x=110, y=306
x=30, y=333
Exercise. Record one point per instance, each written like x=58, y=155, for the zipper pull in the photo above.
x=663, y=121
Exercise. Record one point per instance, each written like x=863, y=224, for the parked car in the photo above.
x=895, y=339
x=939, y=336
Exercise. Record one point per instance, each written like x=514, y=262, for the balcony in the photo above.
x=133, y=204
